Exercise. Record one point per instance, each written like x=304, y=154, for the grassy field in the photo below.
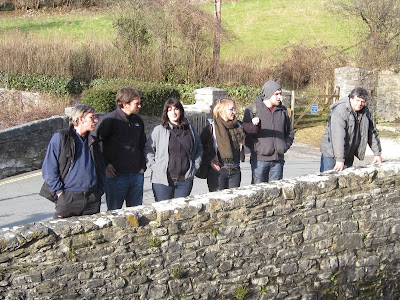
x=263, y=28
x=77, y=26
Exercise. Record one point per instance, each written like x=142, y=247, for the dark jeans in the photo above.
x=128, y=187
x=328, y=163
x=224, y=179
x=265, y=171
x=175, y=189
x=77, y=204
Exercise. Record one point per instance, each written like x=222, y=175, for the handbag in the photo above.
x=203, y=171
x=205, y=166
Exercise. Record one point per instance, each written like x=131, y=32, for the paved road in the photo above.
x=21, y=204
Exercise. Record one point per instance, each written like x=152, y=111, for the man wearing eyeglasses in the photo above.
x=73, y=168
x=269, y=133
x=122, y=137
x=350, y=128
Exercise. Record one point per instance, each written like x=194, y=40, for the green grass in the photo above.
x=263, y=27
x=79, y=26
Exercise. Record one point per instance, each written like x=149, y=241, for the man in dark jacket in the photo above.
x=73, y=168
x=269, y=133
x=121, y=134
x=350, y=128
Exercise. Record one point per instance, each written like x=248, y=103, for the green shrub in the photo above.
x=186, y=92
x=7, y=6
x=102, y=100
x=41, y=83
x=243, y=94
x=102, y=93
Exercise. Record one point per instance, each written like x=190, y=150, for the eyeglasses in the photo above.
x=93, y=117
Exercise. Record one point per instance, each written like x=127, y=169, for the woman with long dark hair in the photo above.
x=222, y=141
x=173, y=153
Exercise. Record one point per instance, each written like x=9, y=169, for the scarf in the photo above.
x=225, y=132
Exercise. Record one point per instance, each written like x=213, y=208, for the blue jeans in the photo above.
x=224, y=179
x=328, y=163
x=175, y=189
x=128, y=187
x=265, y=171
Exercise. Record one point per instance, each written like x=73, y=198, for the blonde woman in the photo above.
x=222, y=141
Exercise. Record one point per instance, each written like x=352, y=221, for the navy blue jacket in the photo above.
x=76, y=158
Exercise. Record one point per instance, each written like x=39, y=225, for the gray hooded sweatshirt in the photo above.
x=343, y=127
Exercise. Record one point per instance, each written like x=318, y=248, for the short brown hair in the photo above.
x=126, y=95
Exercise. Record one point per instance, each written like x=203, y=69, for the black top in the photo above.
x=123, y=140
x=180, y=144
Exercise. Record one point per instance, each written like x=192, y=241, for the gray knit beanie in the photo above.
x=269, y=88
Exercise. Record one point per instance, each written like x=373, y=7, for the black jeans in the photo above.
x=224, y=179
x=77, y=204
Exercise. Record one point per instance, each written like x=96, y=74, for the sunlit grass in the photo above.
x=263, y=27
x=266, y=27
x=79, y=26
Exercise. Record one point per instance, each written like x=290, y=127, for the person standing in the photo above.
x=350, y=128
x=173, y=153
x=121, y=134
x=222, y=141
x=73, y=168
x=269, y=133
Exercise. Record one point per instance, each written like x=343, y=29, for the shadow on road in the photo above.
x=30, y=219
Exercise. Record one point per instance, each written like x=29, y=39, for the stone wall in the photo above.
x=324, y=236
x=23, y=147
x=384, y=86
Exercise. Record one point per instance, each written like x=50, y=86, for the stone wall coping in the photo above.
x=185, y=208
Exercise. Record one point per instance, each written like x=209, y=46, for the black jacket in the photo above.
x=122, y=139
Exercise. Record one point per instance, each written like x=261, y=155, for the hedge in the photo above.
x=41, y=83
x=101, y=95
x=243, y=95
x=101, y=92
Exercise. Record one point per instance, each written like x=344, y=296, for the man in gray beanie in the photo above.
x=269, y=133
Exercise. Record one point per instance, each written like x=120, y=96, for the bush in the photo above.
x=102, y=100
x=186, y=92
x=40, y=83
x=309, y=66
x=102, y=93
x=7, y=6
x=177, y=48
x=243, y=95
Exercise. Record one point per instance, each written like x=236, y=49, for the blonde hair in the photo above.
x=79, y=111
x=219, y=110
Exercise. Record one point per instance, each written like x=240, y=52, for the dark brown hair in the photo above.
x=172, y=102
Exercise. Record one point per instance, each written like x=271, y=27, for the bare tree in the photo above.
x=379, y=41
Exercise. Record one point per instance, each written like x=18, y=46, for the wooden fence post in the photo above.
x=327, y=92
x=292, y=101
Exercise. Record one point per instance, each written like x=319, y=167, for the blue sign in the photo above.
x=314, y=108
